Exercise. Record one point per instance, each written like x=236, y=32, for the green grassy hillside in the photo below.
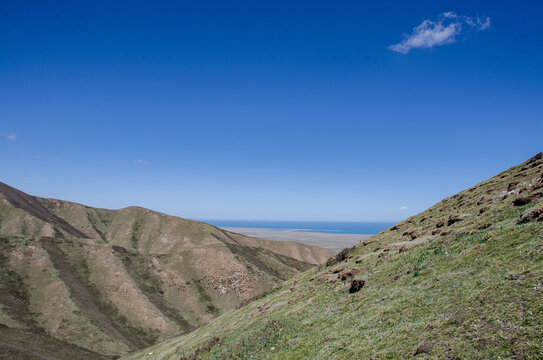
x=462, y=280
x=79, y=282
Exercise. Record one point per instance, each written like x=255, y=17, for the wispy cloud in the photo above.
x=403, y=208
x=438, y=33
x=11, y=137
x=141, y=162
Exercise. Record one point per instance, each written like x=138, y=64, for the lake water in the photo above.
x=332, y=227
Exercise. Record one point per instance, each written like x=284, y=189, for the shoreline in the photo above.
x=331, y=241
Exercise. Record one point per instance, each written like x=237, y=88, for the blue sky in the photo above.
x=267, y=110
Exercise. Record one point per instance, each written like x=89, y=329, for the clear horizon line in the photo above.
x=283, y=220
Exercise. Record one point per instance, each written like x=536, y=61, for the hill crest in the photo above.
x=105, y=282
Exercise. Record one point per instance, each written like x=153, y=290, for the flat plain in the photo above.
x=334, y=242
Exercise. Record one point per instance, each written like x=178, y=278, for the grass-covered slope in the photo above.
x=86, y=283
x=462, y=280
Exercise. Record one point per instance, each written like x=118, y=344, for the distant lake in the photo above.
x=332, y=227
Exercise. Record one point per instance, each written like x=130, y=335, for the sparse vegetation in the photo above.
x=101, y=283
x=471, y=291
x=262, y=340
x=339, y=257
x=205, y=348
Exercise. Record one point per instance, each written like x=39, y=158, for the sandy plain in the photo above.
x=331, y=241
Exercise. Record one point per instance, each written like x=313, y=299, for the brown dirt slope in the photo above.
x=97, y=283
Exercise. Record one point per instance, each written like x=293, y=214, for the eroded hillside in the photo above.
x=79, y=282
x=461, y=280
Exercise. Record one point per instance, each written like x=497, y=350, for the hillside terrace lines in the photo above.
x=112, y=280
x=87, y=299
x=150, y=288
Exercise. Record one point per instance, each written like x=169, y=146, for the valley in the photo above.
x=461, y=280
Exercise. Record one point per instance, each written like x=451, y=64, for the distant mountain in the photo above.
x=84, y=283
x=461, y=280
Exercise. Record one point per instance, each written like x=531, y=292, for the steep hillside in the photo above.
x=79, y=282
x=462, y=280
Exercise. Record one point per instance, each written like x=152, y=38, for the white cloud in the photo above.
x=141, y=162
x=403, y=208
x=11, y=137
x=483, y=25
x=437, y=33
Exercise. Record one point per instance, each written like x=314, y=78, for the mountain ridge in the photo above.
x=102, y=282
